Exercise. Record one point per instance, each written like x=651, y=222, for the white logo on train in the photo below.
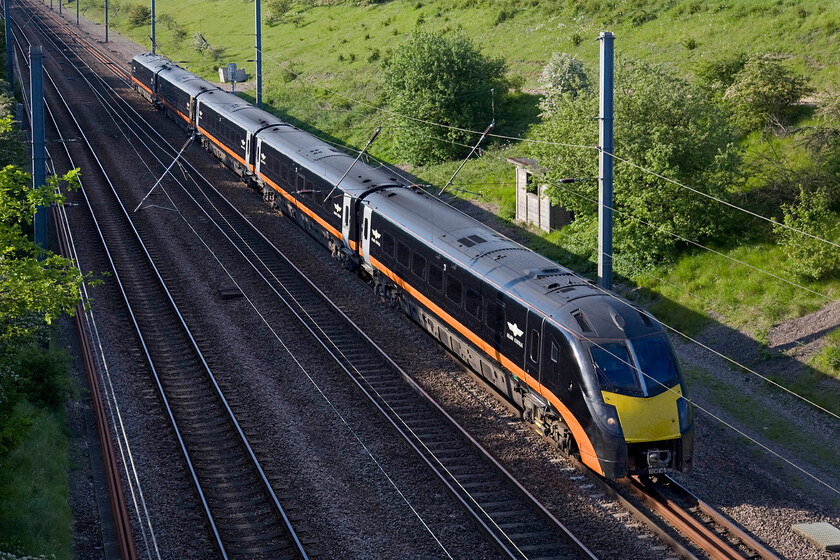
x=514, y=333
x=337, y=210
x=376, y=235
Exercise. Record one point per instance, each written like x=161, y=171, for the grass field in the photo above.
x=35, y=516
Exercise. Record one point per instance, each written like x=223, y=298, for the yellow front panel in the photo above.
x=647, y=419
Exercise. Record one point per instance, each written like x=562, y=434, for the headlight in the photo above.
x=608, y=417
x=685, y=413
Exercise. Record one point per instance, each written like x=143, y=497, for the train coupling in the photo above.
x=659, y=461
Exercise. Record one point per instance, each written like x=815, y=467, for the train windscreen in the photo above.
x=615, y=369
x=658, y=364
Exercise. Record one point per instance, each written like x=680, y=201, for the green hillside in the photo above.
x=323, y=70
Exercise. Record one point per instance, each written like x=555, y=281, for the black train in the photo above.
x=589, y=369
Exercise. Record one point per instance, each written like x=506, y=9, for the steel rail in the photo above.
x=246, y=444
x=727, y=524
x=656, y=504
x=535, y=503
x=116, y=494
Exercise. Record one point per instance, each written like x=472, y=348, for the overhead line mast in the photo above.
x=605, y=163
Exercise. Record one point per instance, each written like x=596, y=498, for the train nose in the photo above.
x=658, y=460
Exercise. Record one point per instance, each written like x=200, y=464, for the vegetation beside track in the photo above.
x=35, y=288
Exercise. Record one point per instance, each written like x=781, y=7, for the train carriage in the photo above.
x=306, y=175
x=144, y=71
x=564, y=351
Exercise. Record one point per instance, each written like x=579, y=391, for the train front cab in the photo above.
x=642, y=421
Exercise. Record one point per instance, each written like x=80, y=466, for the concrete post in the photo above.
x=605, y=164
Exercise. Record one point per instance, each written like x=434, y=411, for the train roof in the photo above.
x=237, y=110
x=185, y=80
x=151, y=61
x=537, y=281
x=327, y=161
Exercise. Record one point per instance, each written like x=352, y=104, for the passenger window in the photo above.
x=388, y=244
x=418, y=265
x=472, y=303
x=403, y=254
x=535, y=346
x=496, y=316
x=555, y=352
x=453, y=289
x=436, y=277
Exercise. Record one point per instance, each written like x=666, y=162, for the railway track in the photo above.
x=716, y=535
x=518, y=525
x=242, y=511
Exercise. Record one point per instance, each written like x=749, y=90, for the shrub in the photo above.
x=42, y=376
x=139, y=14
x=662, y=124
x=809, y=257
x=763, y=94
x=276, y=11
x=563, y=75
x=717, y=74
x=445, y=80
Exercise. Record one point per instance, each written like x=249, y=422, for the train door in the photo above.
x=533, y=346
x=345, y=220
x=366, y=227
x=250, y=150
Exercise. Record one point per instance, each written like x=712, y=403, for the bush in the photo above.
x=563, y=75
x=276, y=10
x=444, y=80
x=662, y=124
x=42, y=376
x=763, y=94
x=717, y=74
x=809, y=257
x=139, y=14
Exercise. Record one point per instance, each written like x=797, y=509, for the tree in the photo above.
x=564, y=74
x=36, y=286
x=438, y=79
x=764, y=92
x=809, y=257
x=662, y=124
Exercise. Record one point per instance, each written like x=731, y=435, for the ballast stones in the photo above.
x=825, y=536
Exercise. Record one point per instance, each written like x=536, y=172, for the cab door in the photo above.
x=366, y=227
x=346, y=218
x=533, y=344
